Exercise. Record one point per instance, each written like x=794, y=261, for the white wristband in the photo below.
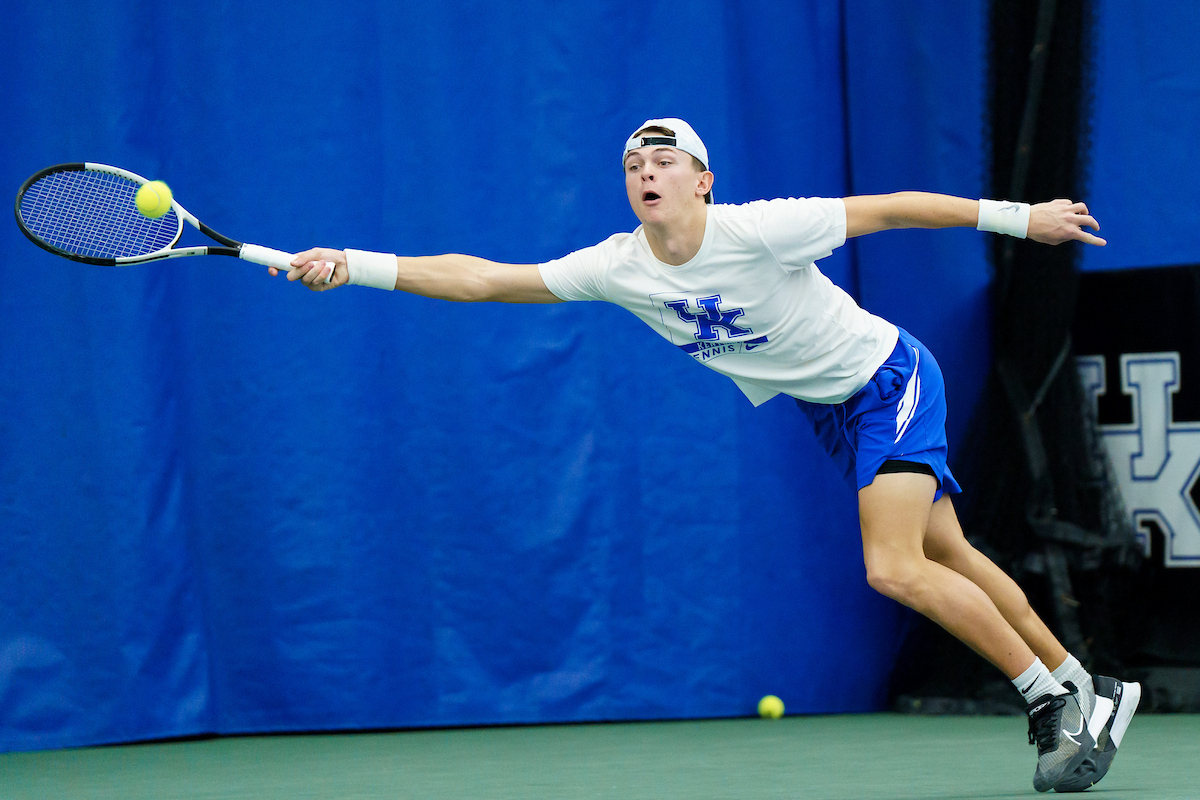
x=377, y=270
x=999, y=216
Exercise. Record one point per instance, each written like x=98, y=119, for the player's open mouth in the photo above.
x=648, y=196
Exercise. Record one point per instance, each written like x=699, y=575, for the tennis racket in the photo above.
x=87, y=213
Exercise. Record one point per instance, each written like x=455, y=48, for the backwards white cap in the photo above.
x=682, y=137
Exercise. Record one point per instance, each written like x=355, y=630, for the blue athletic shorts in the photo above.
x=900, y=415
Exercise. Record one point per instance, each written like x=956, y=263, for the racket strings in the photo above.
x=92, y=213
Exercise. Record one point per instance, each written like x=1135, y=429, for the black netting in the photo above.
x=1039, y=499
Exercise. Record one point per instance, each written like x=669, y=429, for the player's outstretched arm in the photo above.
x=870, y=213
x=461, y=278
x=1050, y=223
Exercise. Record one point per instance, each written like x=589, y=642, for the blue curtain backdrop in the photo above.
x=1144, y=133
x=230, y=505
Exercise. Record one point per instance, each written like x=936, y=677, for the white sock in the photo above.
x=1071, y=670
x=1037, y=681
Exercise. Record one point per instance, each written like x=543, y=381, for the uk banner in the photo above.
x=1138, y=336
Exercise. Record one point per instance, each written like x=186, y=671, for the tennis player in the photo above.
x=737, y=288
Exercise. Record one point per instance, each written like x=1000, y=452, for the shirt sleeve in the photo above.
x=578, y=275
x=799, y=231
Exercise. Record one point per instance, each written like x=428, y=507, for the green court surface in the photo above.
x=860, y=756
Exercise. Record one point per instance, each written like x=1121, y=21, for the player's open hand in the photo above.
x=313, y=268
x=1062, y=221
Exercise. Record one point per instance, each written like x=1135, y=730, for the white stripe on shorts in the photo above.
x=908, y=404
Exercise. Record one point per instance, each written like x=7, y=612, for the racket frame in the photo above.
x=228, y=247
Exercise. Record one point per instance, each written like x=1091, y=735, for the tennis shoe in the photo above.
x=1058, y=728
x=1116, y=703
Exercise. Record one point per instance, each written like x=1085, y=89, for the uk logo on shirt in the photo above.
x=715, y=330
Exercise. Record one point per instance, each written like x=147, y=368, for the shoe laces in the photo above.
x=1043, y=726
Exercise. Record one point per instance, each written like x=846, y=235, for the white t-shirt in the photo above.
x=751, y=304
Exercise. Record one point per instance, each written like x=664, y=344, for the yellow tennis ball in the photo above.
x=153, y=199
x=770, y=707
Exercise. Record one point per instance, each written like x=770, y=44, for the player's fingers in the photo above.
x=1086, y=220
x=1089, y=238
x=319, y=276
x=325, y=273
x=300, y=272
x=313, y=254
x=314, y=274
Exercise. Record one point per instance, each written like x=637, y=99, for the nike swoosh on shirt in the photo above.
x=753, y=343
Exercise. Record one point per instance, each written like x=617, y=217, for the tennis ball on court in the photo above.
x=153, y=199
x=770, y=707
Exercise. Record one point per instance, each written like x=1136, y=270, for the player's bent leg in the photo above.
x=894, y=512
x=946, y=544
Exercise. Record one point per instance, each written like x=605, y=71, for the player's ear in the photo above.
x=704, y=183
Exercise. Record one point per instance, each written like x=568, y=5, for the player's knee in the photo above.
x=898, y=580
x=944, y=541
x=947, y=547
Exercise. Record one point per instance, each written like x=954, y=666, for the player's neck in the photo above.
x=677, y=241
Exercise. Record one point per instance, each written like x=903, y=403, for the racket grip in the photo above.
x=266, y=256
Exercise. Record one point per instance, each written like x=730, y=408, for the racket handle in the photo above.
x=270, y=258
x=267, y=257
